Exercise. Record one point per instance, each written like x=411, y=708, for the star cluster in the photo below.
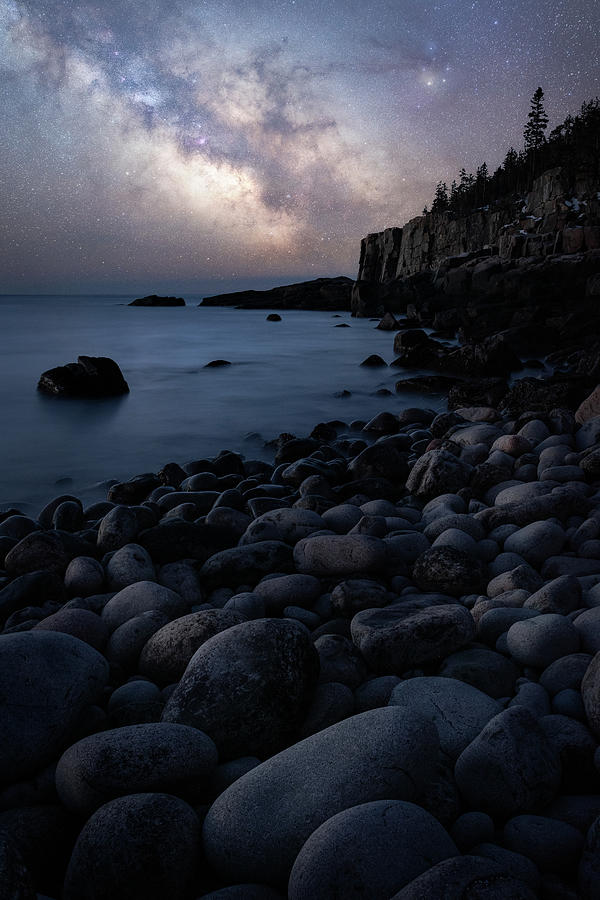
x=212, y=144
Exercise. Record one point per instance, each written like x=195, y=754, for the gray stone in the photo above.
x=143, y=847
x=331, y=555
x=395, y=639
x=247, y=564
x=128, y=565
x=15, y=879
x=47, y=681
x=587, y=625
x=566, y=672
x=536, y=542
x=255, y=829
x=486, y=670
x=331, y=703
x=552, y=845
x=590, y=693
x=339, y=660
x=375, y=693
x=126, y=642
x=248, y=687
x=561, y=595
x=349, y=597
x=144, y=596
x=472, y=828
x=37, y=550
x=539, y=641
x=81, y=623
x=458, y=710
x=118, y=527
x=495, y=622
x=438, y=472
x=182, y=577
x=133, y=760
x=449, y=571
x=465, y=877
x=514, y=864
x=84, y=577
x=288, y=590
x=370, y=850
x=287, y=525
x=509, y=767
x=166, y=654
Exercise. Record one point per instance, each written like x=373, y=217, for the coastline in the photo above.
x=401, y=617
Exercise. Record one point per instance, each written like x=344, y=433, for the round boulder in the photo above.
x=47, y=680
x=135, y=759
x=371, y=850
x=449, y=571
x=339, y=554
x=139, y=847
x=394, y=639
x=510, y=767
x=248, y=687
x=167, y=653
x=458, y=711
x=144, y=596
x=256, y=828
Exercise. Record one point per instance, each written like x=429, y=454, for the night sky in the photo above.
x=181, y=145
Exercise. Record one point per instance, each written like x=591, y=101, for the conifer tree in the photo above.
x=537, y=122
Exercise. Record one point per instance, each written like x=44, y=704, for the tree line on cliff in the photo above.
x=574, y=145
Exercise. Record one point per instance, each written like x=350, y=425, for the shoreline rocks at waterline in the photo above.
x=370, y=668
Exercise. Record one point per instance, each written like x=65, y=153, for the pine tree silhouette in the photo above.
x=537, y=122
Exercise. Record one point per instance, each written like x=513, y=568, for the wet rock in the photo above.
x=38, y=550
x=539, y=641
x=287, y=525
x=90, y=376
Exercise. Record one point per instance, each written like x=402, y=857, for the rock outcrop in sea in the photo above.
x=90, y=376
x=154, y=300
x=321, y=293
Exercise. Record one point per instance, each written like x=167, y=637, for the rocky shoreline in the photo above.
x=369, y=669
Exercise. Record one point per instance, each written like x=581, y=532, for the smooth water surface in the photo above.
x=284, y=377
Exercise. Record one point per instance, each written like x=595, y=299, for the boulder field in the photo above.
x=368, y=669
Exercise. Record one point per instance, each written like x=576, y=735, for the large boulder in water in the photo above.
x=248, y=687
x=47, y=680
x=90, y=376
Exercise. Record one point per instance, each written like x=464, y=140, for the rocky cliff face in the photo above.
x=448, y=254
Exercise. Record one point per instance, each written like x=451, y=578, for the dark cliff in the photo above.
x=547, y=241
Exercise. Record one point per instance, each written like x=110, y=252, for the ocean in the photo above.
x=284, y=377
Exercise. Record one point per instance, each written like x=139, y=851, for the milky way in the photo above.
x=189, y=146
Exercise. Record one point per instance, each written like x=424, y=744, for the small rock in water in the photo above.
x=273, y=317
x=374, y=361
x=217, y=363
